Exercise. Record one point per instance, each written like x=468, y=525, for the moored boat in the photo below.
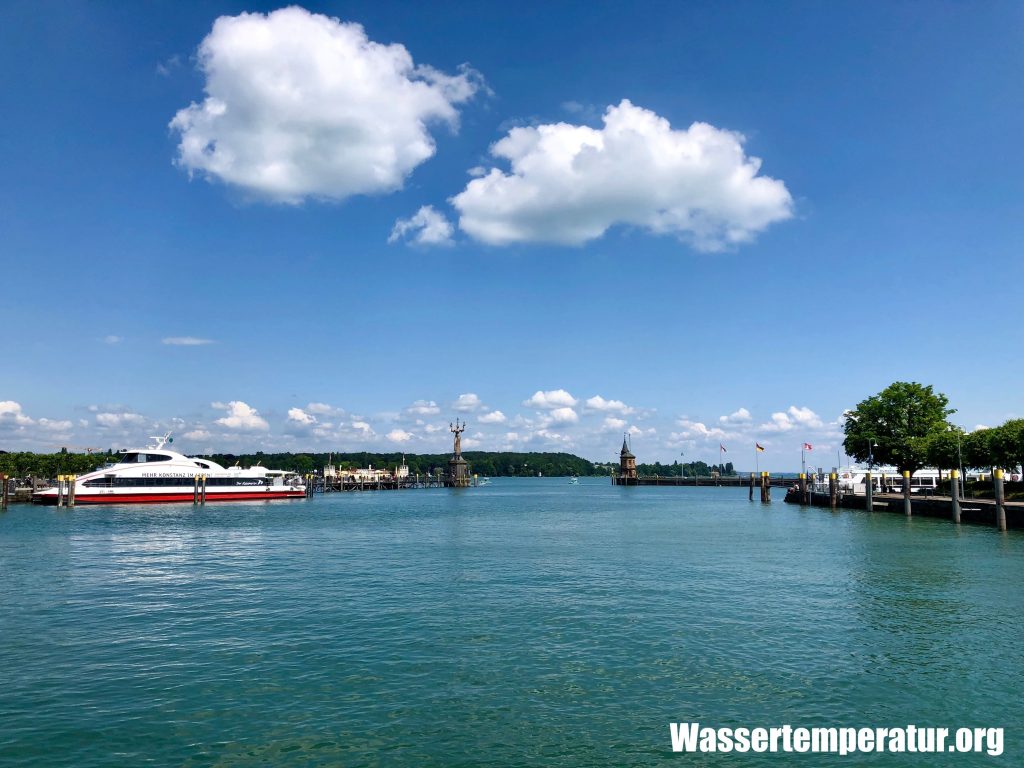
x=155, y=474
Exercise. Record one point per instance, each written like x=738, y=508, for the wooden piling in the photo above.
x=202, y=491
x=803, y=489
x=907, y=506
x=833, y=489
x=869, y=490
x=954, y=494
x=195, y=489
x=751, y=486
x=4, y=492
x=71, y=490
x=997, y=478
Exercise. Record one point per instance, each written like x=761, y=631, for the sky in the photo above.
x=342, y=225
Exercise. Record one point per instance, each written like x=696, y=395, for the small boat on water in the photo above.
x=574, y=481
x=154, y=474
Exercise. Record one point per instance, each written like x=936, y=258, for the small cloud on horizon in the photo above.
x=186, y=341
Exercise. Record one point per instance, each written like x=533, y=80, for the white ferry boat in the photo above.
x=155, y=474
x=854, y=480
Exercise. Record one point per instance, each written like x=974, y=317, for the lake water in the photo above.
x=525, y=623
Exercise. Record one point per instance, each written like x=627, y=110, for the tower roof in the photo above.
x=626, y=453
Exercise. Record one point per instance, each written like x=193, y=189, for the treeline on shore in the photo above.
x=907, y=426
x=484, y=463
x=689, y=469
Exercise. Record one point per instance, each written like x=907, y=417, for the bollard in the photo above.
x=869, y=490
x=906, y=493
x=954, y=493
x=803, y=489
x=751, y=486
x=71, y=490
x=833, y=489
x=997, y=478
x=195, y=489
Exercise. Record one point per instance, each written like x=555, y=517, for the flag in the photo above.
x=722, y=448
x=759, y=446
x=807, y=447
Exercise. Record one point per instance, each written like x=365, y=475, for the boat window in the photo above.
x=202, y=464
x=156, y=457
x=130, y=458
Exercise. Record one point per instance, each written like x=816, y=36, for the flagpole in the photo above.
x=757, y=461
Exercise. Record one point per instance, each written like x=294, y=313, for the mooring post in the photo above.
x=751, y=486
x=3, y=492
x=803, y=489
x=60, y=490
x=869, y=490
x=195, y=489
x=71, y=489
x=997, y=478
x=954, y=493
x=906, y=493
x=833, y=489
x=202, y=498
x=768, y=487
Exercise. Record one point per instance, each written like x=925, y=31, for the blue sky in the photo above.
x=699, y=301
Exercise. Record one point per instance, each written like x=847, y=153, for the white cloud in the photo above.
x=324, y=409
x=186, y=341
x=399, y=436
x=364, y=429
x=426, y=227
x=554, y=398
x=120, y=420
x=467, y=402
x=569, y=183
x=697, y=430
x=424, y=408
x=302, y=105
x=611, y=422
x=494, y=417
x=563, y=416
x=792, y=418
x=113, y=339
x=241, y=416
x=598, y=403
x=54, y=425
x=300, y=417
x=197, y=434
x=12, y=413
x=740, y=416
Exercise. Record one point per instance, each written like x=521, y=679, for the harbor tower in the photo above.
x=458, y=469
x=627, y=463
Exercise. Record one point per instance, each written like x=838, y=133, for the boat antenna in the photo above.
x=160, y=441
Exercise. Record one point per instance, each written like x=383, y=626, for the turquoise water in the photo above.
x=525, y=623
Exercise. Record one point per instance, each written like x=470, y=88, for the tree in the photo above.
x=944, y=449
x=894, y=426
x=1006, y=444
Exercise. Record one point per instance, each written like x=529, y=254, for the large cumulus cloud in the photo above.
x=570, y=183
x=302, y=105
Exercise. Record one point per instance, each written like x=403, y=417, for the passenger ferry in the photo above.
x=155, y=474
x=854, y=480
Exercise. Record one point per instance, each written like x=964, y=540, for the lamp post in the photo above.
x=960, y=461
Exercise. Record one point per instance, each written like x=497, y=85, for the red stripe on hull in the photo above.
x=161, y=498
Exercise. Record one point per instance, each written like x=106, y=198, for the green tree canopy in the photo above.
x=895, y=426
x=944, y=449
